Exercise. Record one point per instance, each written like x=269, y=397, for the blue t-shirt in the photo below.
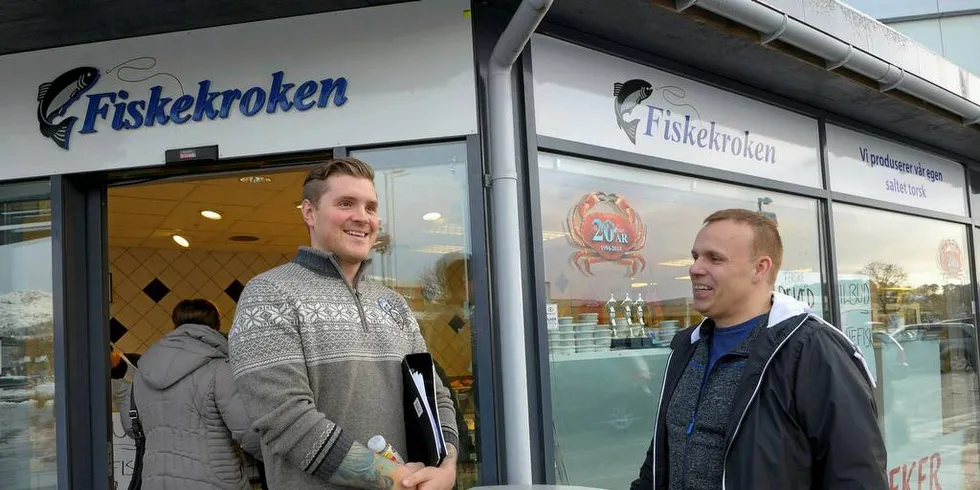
x=725, y=339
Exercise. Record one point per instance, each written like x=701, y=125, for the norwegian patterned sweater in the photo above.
x=318, y=364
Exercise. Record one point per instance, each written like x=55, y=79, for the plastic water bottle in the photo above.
x=379, y=445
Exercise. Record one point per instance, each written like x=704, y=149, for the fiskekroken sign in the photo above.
x=682, y=125
x=588, y=97
x=74, y=96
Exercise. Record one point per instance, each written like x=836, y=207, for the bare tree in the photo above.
x=884, y=276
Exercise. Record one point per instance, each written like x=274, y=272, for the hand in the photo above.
x=402, y=473
x=431, y=478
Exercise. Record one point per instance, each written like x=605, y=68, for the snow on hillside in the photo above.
x=26, y=314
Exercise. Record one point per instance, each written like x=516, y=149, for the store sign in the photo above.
x=871, y=167
x=683, y=128
x=585, y=96
x=855, y=305
x=284, y=85
x=552, y=309
x=159, y=107
x=804, y=287
x=604, y=228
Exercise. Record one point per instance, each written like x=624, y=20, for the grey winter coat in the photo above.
x=192, y=414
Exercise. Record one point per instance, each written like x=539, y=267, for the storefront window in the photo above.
x=424, y=254
x=905, y=284
x=617, y=234
x=27, y=425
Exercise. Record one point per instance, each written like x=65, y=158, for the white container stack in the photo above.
x=584, y=336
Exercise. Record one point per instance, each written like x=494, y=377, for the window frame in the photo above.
x=485, y=340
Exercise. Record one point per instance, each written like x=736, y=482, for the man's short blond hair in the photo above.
x=315, y=185
x=765, y=235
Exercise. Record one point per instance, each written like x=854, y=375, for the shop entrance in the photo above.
x=185, y=238
x=166, y=242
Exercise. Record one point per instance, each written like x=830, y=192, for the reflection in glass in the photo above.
x=906, y=289
x=423, y=252
x=617, y=248
x=27, y=426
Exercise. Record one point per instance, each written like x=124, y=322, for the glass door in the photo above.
x=28, y=456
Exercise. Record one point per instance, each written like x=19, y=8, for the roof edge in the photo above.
x=846, y=38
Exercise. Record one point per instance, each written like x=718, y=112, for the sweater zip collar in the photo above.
x=326, y=264
x=353, y=289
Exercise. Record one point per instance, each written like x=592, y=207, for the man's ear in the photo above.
x=763, y=266
x=307, y=210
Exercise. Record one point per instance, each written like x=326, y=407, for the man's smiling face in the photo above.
x=345, y=219
x=726, y=275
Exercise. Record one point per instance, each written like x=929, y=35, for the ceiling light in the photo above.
x=683, y=278
x=439, y=249
x=431, y=216
x=639, y=284
x=443, y=229
x=207, y=213
x=255, y=179
x=181, y=241
x=678, y=263
x=243, y=238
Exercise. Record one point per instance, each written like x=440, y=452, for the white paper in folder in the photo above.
x=433, y=415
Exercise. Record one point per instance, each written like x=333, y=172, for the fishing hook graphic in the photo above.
x=152, y=62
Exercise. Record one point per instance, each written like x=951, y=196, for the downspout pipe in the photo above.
x=505, y=219
x=773, y=24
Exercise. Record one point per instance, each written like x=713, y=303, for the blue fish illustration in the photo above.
x=627, y=96
x=55, y=97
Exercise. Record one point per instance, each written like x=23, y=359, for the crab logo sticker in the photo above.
x=949, y=258
x=604, y=228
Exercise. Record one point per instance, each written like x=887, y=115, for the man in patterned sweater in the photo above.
x=316, y=351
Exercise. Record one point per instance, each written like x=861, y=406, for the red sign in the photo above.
x=606, y=229
x=921, y=474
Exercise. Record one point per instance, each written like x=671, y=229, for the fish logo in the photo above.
x=55, y=97
x=628, y=95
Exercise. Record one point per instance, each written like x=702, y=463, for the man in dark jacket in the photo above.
x=762, y=394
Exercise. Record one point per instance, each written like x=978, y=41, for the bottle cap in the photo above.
x=377, y=444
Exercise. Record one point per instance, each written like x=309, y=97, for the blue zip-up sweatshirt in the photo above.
x=698, y=413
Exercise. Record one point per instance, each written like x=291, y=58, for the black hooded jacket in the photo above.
x=803, y=417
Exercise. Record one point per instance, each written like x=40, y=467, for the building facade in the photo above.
x=947, y=28
x=145, y=170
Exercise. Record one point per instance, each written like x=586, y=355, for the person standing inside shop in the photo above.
x=763, y=394
x=195, y=424
x=317, y=348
